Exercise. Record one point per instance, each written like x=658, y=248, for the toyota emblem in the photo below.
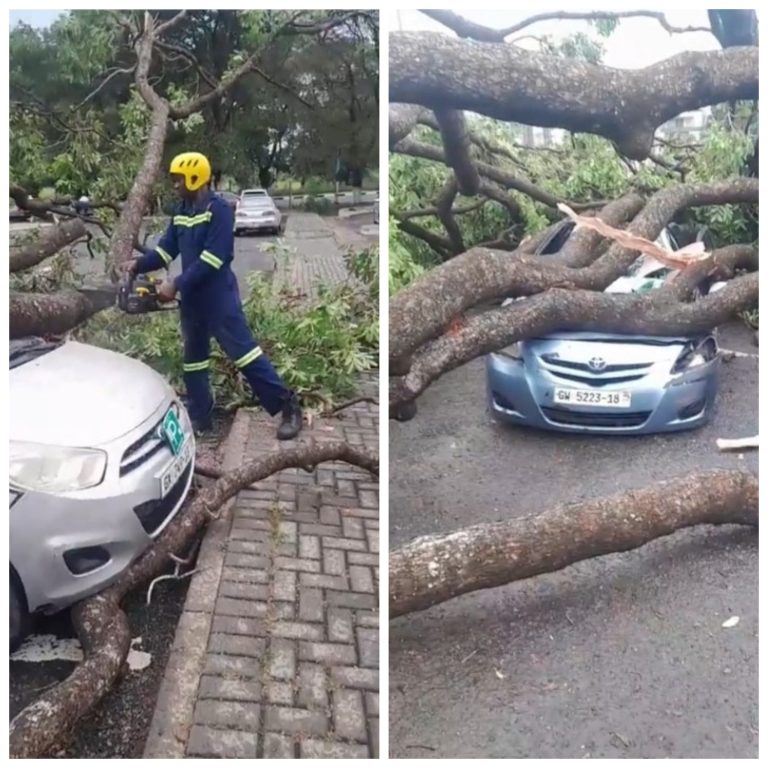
x=597, y=364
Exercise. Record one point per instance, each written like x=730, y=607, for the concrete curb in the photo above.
x=174, y=710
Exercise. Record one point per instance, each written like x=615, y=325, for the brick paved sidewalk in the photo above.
x=315, y=258
x=276, y=653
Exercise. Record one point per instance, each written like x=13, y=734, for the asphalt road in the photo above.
x=621, y=656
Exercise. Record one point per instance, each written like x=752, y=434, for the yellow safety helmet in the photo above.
x=194, y=167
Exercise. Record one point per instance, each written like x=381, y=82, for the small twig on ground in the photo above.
x=349, y=404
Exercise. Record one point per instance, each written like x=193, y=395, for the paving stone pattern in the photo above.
x=314, y=258
x=291, y=668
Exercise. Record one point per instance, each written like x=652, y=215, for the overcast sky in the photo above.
x=637, y=42
x=34, y=18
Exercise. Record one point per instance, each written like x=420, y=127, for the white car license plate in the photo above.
x=174, y=472
x=590, y=397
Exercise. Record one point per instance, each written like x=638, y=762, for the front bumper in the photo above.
x=522, y=394
x=267, y=222
x=117, y=520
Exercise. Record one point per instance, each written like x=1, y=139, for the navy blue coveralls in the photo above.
x=203, y=233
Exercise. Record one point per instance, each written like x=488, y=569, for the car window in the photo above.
x=28, y=349
x=257, y=202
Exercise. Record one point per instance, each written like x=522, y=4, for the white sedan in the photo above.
x=257, y=214
x=101, y=459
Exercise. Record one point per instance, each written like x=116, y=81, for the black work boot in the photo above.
x=291, y=420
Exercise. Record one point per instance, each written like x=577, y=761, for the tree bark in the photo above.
x=51, y=241
x=128, y=225
x=433, y=569
x=102, y=625
x=402, y=120
x=41, y=314
x=625, y=106
x=453, y=130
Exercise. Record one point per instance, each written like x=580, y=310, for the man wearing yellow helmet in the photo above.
x=201, y=231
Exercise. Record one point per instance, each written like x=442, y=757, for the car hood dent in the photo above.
x=82, y=396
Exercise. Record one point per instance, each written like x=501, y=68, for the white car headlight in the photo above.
x=55, y=469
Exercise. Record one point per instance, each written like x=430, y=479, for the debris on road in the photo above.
x=726, y=444
x=41, y=648
x=732, y=622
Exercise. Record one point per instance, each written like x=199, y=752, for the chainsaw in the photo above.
x=137, y=295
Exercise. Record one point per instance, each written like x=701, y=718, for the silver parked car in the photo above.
x=608, y=383
x=101, y=459
x=257, y=213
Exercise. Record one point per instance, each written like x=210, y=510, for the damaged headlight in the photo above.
x=695, y=355
x=55, y=469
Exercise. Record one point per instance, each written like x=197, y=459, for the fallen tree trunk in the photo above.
x=99, y=620
x=571, y=310
x=433, y=569
x=41, y=314
x=51, y=241
x=626, y=106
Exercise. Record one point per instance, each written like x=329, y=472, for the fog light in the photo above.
x=86, y=559
x=694, y=409
x=502, y=402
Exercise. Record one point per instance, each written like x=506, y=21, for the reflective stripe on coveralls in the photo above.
x=164, y=255
x=201, y=366
x=249, y=357
x=212, y=259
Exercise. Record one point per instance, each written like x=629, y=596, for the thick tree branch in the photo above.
x=569, y=309
x=439, y=244
x=453, y=131
x=174, y=21
x=50, y=241
x=403, y=119
x=625, y=106
x=581, y=248
x=433, y=569
x=41, y=314
x=444, y=204
x=425, y=307
x=721, y=265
